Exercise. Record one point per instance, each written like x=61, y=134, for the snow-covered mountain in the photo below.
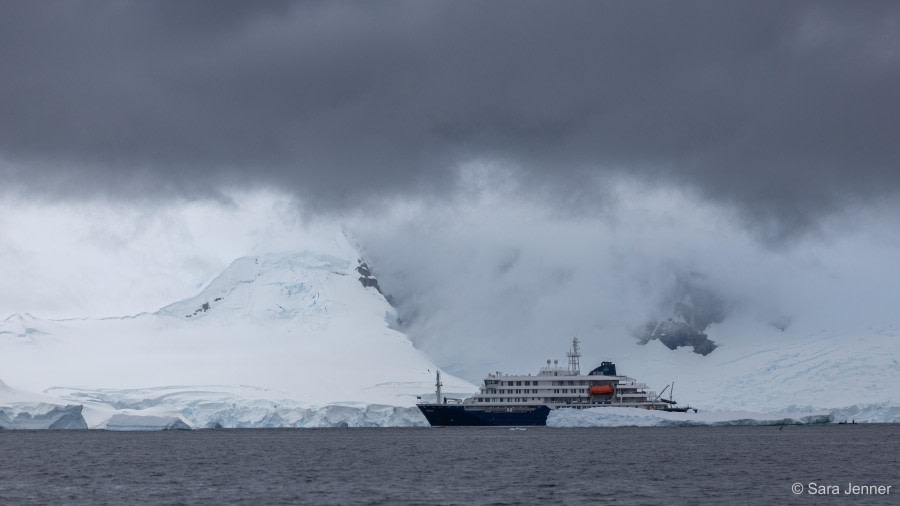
x=276, y=337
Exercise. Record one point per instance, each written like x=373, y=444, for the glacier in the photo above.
x=233, y=406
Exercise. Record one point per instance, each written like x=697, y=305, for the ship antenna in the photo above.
x=437, y=389
x=575, y=357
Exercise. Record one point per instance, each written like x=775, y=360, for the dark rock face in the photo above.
x=694, y=307
x=366, y=277
x=202, y=309
x=674, y=334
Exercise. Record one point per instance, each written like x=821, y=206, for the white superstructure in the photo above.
x=565, y=387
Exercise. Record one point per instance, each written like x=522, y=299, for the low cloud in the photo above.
x=786, y=111
x=493, y=283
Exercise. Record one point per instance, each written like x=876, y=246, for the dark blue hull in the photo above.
x=443, y=415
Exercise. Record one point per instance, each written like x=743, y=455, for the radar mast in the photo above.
x=437, y=389
x=575, y=357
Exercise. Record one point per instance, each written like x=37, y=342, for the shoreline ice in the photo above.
x=631, y=417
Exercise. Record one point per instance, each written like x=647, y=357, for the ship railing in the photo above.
x=631, y=384
x=557, y=371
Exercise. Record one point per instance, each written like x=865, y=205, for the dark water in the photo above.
x=721, y=465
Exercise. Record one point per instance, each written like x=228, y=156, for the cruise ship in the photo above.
x=526, y=400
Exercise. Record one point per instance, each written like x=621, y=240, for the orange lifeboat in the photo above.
x=602, y=390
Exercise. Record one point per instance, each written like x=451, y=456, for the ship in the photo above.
x=527, y=400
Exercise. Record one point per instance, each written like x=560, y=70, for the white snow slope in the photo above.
x=756, y=368
x=275, y=340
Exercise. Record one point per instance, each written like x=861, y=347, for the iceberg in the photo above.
x=25, y=410
x=146, y=422
x=41, y=416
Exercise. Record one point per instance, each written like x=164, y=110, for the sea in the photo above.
x=463, y=465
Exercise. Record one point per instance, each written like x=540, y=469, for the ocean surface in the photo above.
x=677, y=465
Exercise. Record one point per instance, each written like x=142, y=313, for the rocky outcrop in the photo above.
x=675, y=334
x=366, y=277
x=693, y=305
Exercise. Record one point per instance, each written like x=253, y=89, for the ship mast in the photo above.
x=575, y=357
x=437, y=389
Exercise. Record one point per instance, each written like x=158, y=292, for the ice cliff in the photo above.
x=24, y=410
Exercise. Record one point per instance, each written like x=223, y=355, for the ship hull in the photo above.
x=451, y=415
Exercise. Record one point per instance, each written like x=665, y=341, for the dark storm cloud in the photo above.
x=787, y=109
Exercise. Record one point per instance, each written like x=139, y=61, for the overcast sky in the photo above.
x=507, y=133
